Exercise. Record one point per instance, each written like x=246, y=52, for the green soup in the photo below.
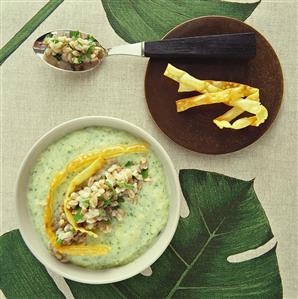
x=143, y=221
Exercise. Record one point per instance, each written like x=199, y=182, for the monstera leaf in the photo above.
x=140, y=20
x=225, y=219
x=22, y=275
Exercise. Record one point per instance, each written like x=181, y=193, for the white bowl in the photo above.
x=73, y=272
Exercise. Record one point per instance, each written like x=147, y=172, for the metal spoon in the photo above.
x=237, y=45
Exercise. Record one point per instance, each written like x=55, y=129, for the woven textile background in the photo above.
x=34, y=98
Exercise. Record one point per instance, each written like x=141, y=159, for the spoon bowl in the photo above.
x=39, y=48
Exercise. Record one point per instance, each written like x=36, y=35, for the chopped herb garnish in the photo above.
x=88, y=52
x=58, y=56
x=81, y=58
x=78, y=216
x=74, y=34
x=59, y=241
x=107, y=203
x=145, y=173
x=128, y=164
x=120, y=199
x=125, y=185
x=91, y=38
x=110, y=185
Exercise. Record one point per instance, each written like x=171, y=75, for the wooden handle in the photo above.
x=238, y=45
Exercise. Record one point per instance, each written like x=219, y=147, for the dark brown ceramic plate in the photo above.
x=194, y=128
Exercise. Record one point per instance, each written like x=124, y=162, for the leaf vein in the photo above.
x=118, y=291
x=244, y=229
x=179, y=256
x=204, y=221
x=176, y=286
x=212, y=236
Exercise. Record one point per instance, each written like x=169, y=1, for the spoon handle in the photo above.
x=237, y=45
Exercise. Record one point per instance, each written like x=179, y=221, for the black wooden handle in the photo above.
x=236, y=45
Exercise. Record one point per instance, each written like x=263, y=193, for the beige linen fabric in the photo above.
x=34, y=98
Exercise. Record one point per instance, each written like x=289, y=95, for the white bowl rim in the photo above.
x=159, y=245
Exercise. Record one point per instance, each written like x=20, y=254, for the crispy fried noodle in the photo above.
x=88, y=164
x=239, y=96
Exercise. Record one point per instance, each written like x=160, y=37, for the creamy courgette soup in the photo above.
x=98, y=197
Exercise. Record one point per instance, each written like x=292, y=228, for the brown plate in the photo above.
x=194, y=128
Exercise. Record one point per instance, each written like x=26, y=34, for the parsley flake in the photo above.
x=74, y=34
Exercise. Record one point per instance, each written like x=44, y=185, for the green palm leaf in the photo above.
x=22, y=275
x=226, y=218
x=140, y=20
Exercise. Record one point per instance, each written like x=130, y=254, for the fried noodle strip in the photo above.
x=92, y=169
x=240, y=97
x=95, y=160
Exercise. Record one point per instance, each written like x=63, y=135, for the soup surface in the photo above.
x=143, y=220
